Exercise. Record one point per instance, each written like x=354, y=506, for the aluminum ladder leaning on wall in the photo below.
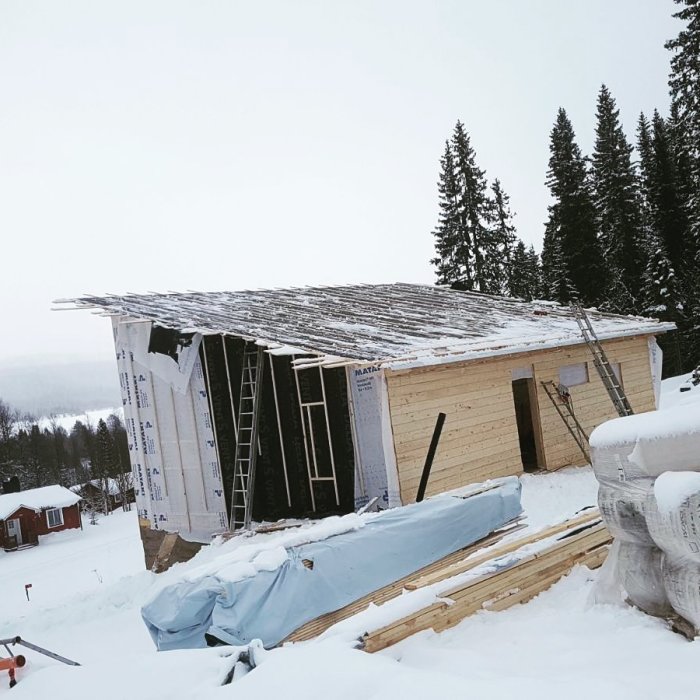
x=611, y=383
x=247, y=437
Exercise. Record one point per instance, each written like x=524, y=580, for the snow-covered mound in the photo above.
x=681, y=390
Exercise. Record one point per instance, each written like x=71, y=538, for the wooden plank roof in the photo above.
x=396, y=324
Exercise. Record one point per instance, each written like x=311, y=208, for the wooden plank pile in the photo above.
x=513, y=573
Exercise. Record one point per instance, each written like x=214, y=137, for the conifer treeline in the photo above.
x=623, y=229
x=40, y=454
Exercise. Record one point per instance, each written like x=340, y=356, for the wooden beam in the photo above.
x=321, y=624
x=519, y=582
x=589, y=518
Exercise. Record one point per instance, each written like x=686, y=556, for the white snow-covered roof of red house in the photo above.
x=392, y=324
x=37, y=499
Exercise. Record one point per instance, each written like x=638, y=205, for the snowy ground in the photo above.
x=67, y=421
x=88, y=586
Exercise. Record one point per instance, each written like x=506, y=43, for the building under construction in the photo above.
x=302, y=402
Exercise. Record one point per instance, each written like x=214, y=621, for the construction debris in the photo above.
x=489, y=575
x=14, y=662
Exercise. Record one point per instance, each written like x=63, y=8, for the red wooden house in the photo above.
x=26, y=515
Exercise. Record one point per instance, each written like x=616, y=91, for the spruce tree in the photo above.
x=668, y=215
x=618, y=209
x=107, y=460
x=524, y=273
x=645, y=177
x=664, y=223
x=571, y=258
x=534, y=274
x=450, y=249
x=500, y=243
x=473, y=212
x=473, y=232
x=556, y=284
x=661, y=288
x=687, y=185
x=684, y=84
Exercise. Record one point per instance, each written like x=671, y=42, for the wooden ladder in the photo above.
x=561, y=399
x=307, y=409
x=247, y=436
x=612, y=384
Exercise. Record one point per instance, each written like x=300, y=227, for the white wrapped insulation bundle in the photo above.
x=682, y=583
x=612, y=464
x=673, y=514
x=622, y=506
x=639, y=573
x=648, y=466
x=647, y=444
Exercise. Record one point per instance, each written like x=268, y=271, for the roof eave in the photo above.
x=470, y=355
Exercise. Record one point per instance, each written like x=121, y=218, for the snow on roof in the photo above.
x=112, y=486
x=396, y=324
x=36, y=499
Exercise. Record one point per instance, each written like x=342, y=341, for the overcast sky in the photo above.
x=155, y=146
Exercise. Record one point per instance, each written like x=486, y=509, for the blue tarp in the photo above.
x=272, y=604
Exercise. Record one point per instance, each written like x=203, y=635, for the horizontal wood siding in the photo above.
x=590, y=401
x=34, y=524
x=71, y=519
x=480, y=437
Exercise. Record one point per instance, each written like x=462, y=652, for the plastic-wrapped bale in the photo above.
x=673, y=514
x=682, y=583
x=611, y=463
x=622, y=506
x=640, y=574
x=646, y=445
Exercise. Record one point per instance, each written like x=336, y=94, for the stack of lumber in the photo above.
x=316, y=627
x=485, y=576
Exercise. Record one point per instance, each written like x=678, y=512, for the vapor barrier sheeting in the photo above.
x=177, y=477
x=272, y=604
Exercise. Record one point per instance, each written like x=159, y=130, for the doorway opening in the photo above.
x=525, y=415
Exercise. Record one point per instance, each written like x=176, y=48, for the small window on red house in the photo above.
x=54, y=517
